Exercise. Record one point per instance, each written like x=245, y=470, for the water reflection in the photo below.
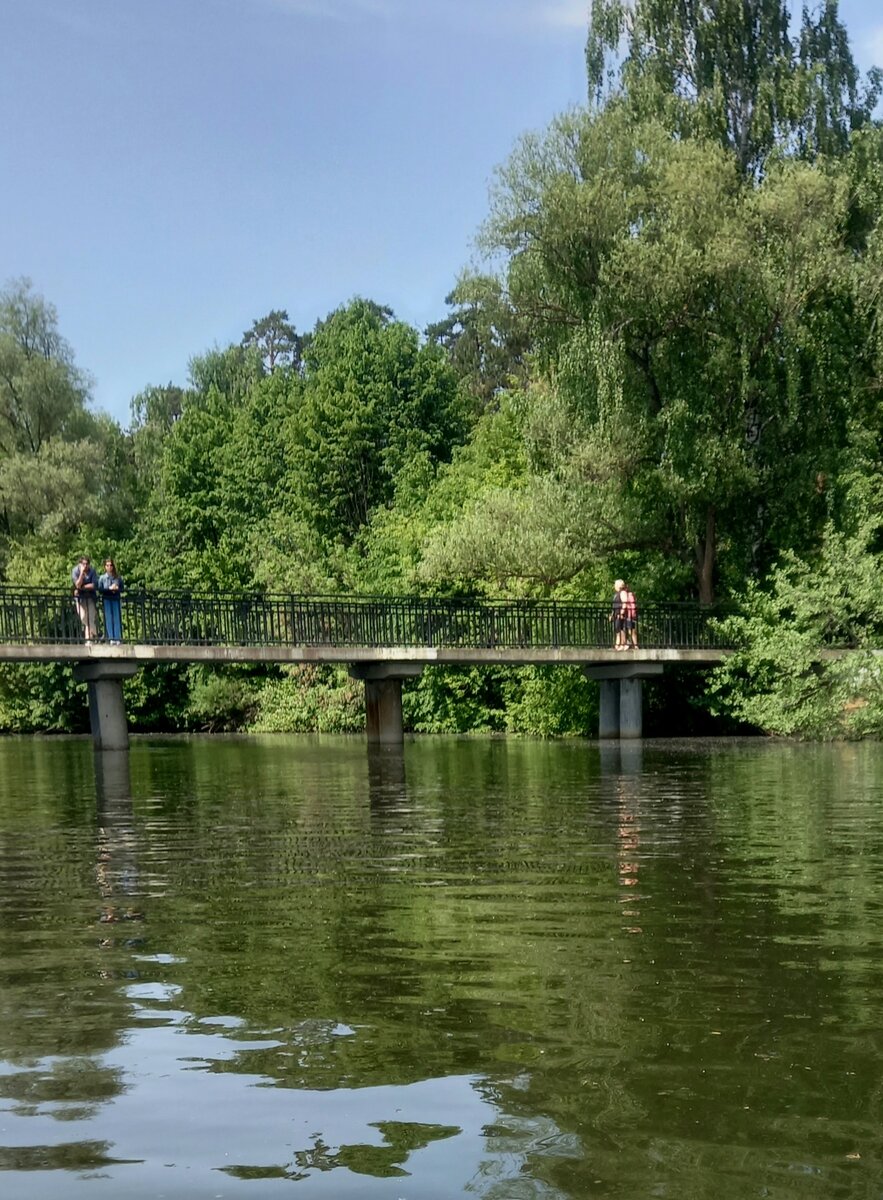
x=386, y=776
x=622, y=785
x=116, y=863
x=494, y=968
x=199, y=1074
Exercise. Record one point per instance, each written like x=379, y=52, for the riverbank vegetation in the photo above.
x=673, y=373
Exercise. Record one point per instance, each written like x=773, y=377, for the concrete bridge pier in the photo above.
x=107, y=711
x=608, y=720
x=383, y=698
x=621, y=710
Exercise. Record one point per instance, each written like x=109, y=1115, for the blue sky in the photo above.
x=173, y=169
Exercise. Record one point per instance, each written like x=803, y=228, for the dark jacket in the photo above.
x=88, y=576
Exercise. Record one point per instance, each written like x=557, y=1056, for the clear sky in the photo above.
x=173, y=169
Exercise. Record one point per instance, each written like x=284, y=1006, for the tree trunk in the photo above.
x=706, y=548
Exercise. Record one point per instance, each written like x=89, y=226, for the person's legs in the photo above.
x=86, y=611
x=112, y=621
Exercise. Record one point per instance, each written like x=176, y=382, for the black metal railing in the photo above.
x=191, y=619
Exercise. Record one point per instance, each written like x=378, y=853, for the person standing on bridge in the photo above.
x=109, y=588
x=85, y=583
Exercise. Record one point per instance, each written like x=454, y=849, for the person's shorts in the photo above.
x=628, y=623
x=619, y=624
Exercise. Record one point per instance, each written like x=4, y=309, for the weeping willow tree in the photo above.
x=734, y=70
x=706, y=340
x=694, y=257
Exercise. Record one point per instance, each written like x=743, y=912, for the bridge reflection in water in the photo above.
x=383, y=640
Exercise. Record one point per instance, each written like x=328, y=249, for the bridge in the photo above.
x=383, y=641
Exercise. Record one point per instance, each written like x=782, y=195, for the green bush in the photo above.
x=805, y=663
x=551, y=702
x=42, y=698
x=221, y=701
x=310, y=699
x=456, y=700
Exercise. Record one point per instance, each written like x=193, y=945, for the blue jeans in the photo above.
x=113, y=620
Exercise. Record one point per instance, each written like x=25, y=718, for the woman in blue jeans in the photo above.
x=109, y=588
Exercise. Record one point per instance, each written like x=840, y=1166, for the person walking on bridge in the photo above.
x=617, y=616
x=85, y=583
x=629, y=617
x=624, y=615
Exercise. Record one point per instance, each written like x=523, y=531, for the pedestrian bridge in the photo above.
x=382, y=640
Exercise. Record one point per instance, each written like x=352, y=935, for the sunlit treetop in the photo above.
x=738, y=70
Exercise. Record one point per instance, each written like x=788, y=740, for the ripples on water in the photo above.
x=504, y=969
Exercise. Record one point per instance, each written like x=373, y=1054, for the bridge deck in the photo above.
x=422, y=655
x=186, y=627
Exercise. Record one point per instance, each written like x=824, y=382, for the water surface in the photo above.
x=285, y=967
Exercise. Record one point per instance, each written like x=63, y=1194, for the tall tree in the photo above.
x=182, y=440
x=720, y=327
x=373, y=398
x=276, y=340
x=484, y=340
x=42, y=392
x=61, y=465
x=154, y=413
x=731, y=69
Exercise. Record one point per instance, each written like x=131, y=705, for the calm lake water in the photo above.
x=502, y=969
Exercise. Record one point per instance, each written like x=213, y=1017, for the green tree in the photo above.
x=276, y=340
x=154, y=413
x=190, y=530
x=43, y=394
x=733, y=71
x=230, y=372
x=484, y=340
x=708, y=336
x=60, y=464
x=777, y=679
x=373, y=397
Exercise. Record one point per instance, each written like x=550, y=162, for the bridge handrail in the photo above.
x=200, y=618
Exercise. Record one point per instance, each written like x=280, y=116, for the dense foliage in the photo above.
x=674, y=374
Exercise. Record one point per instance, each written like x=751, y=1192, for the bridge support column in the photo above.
x=383, y=699
x=608, y=723
x=621, y=712
x=630, y=708
x=107, y=711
